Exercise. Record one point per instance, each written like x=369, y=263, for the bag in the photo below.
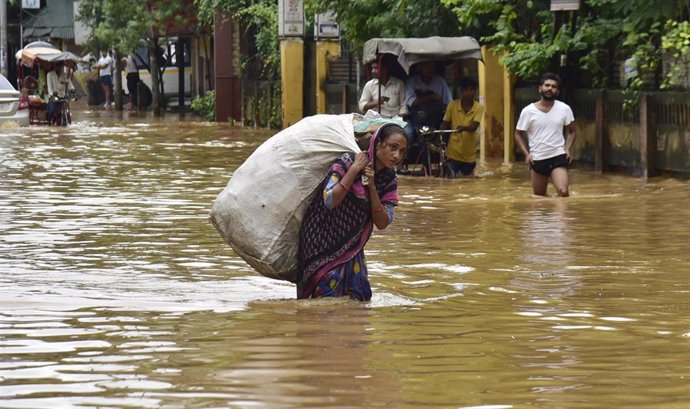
x=260, y=211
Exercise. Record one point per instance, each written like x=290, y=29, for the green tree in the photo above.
x=594, y=39
x=361, y=20
x=125, y=25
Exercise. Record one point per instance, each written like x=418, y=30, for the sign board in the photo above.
x=31, y=4
x=326, y=26
x=291, y=18
x=565, y=5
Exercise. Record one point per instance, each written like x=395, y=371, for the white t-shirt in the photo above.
x=131, y=65
x=394, y=90
x=105, y=63
x=545, y=129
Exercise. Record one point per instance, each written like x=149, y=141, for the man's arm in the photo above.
x=570, y=139
x=365, y=98
x=469, y=128
x=520, y=141
x=401, y=96
x=51, y=82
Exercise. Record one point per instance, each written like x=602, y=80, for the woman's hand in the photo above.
x=361, y=161
x=369, y=172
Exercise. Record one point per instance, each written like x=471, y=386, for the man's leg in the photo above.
x=559, y=177
x=106, y=89
x=409, y=130
x=539, y=183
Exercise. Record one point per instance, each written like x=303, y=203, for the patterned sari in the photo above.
x=331, y=247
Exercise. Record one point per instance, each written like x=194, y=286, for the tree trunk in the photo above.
x=155, y=76
x=118, y=81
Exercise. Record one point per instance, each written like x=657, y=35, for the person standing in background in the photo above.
x=463, y=115
x=105, y=74
x=132, y=79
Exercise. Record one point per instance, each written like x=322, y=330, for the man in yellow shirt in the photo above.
x=463, y=115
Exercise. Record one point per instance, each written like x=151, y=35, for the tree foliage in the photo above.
x=594, y=39
x=361, y=20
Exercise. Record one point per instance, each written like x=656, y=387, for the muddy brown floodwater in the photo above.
x=116, y=292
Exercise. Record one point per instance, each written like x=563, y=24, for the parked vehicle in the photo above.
x=407, y=52
x=14, y=108
x=171, y=71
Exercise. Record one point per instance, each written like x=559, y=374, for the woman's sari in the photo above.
x=331, y=256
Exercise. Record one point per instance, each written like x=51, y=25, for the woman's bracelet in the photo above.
x=344, y=186
x=378, y=209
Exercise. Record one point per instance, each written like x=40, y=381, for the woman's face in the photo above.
x=391, y=151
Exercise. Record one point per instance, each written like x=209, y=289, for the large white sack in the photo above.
x=260, y=211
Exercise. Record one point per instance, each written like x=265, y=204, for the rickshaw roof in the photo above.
x=45, y=53
x=410, y=51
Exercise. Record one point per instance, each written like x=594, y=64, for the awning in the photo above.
x=410, y=51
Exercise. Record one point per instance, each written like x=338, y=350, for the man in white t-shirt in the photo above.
x=105, y=67
x=549, y=149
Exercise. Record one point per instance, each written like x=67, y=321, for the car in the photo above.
x=14, y=107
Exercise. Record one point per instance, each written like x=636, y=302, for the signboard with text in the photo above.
x=565, y=5
x=326, y=26
x=31, y=4
x=291, y=18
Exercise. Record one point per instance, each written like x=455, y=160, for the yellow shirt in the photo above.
x=462, y=146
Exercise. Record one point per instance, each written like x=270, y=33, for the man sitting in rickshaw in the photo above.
x=428, y=93
x=59, y=86
x=427, y=96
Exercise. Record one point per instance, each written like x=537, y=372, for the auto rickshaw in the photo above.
x=31, y=60
x=428, y=148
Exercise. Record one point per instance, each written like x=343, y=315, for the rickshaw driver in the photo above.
x=58, y=83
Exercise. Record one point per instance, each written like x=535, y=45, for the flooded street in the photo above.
x=116, y=291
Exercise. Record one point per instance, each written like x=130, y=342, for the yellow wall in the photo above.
x=325, y=50
x=292, y=79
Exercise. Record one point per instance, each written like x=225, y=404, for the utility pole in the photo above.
x=3, y=38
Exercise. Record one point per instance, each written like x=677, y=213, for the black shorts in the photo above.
x=546, y=166
x=107, y=80
x=132, y=81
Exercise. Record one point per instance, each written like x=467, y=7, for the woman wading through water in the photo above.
x=340, y=220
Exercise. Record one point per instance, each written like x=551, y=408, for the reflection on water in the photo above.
x=117, y=292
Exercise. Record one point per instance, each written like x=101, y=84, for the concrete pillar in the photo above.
x=490, y=74
x=325, y=50
x=292, y=79
x=508, y=117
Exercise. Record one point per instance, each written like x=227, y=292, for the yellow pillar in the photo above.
x=508, y=117
x=292, y=79
x=490, y=75
x=325, y=50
